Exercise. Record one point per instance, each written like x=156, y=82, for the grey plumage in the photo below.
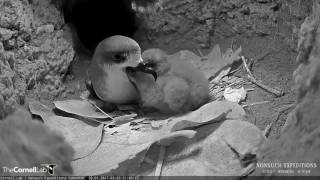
x=180, y=86
x=107, y=69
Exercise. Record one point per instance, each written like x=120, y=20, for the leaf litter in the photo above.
x=117, y=117
x=129, y=141
x=234, y=94
x=213, y=63
x=83, y=136
x=228, y=147
x=92, y=145
x=80, y=108
x=222, y=152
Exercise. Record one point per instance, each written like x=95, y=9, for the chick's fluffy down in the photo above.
x=198, y=85
x=180, y=86
x=174, y=91
x=168, y=95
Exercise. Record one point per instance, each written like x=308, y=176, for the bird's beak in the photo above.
x=142, y=68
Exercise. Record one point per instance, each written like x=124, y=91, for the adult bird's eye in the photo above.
x=120, y=57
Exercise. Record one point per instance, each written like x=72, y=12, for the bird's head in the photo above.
x=117, y=51
x=154, y=60
x=157, y=60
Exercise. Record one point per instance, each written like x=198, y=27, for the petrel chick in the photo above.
x=180, y=87
x=107, y=74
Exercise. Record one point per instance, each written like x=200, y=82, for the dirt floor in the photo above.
x=274, y=63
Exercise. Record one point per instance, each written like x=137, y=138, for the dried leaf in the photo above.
x=235, y=95
x=106, y=158
x=242, y=136
x=128, y=143
x=185, y=124
x=224, y=71
x=215, y=53
x=228, y=151
x=97, y=103
x=214, y=62
x=118, y=117
x=85, y=95
x=167, y=140
x=81, y=108
x=124, y=119
x=212, y=110
x=83, y=136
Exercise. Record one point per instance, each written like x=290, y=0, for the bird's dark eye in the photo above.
x=120, y=57
x=150, y=64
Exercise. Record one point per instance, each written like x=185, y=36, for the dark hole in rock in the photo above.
x=95, y=20
x=276, y=7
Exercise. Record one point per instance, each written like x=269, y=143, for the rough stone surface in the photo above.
x=35, y=55
x=27, y=143
x=33, y=51
x=300, y=140
x=196, y=24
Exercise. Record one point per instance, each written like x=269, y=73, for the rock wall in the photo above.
x=300, y=140
x=27, y=143
x=196, y=23
x=34, y=54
